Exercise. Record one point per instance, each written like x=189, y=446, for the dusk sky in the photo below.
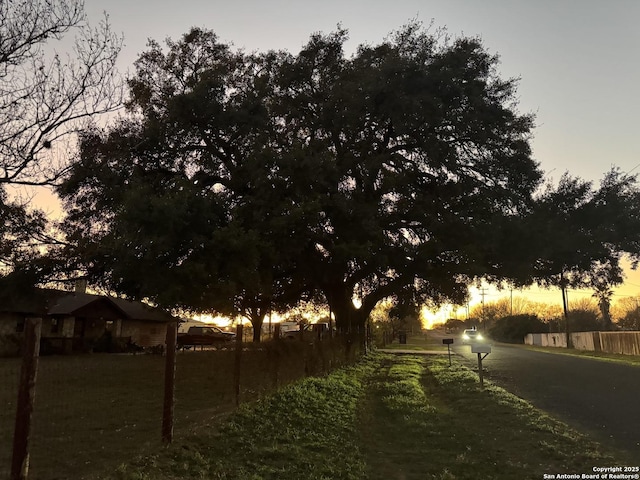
x=577, y=59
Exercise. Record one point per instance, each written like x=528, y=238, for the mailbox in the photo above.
x=448, y=342
x=480, y=348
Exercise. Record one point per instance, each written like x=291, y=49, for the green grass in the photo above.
x=94, y=411
x=389, y=417
x=421, y=341
x=609, y=357
x=425, y=419
x=306, y=431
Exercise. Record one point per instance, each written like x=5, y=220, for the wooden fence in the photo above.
x=624, y=343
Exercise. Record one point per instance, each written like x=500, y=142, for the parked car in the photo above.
x=309, y=330
x=471, y=336
x=205, y=335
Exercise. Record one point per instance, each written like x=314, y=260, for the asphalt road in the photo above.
x=596, y=397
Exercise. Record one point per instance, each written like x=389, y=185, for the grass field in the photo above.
x=419, y=341
x=604, y=356
x=93, y=411
x=389, y=417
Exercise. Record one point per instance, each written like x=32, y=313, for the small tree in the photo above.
x=514, y=328
x=405, y=317
x=630, y=320
x=585, y=320
x=579, y=234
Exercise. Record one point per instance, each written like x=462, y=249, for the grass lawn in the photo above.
x=428, y=420
x=419, y=341
x=388, y=417
x=92, y=412
x=610, y=357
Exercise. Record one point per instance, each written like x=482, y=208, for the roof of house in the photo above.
x=41, y=301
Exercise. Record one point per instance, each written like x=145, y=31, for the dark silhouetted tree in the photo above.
x=239, y=178
x=45, y=97
x=514, y=328
x=578, y=234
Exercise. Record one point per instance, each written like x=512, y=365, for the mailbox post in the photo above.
x=448, y=342
x=480, y=350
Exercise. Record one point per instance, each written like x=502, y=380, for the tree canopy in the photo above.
x=242, y=179
x=578, y=234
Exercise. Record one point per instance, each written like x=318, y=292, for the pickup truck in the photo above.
x=206, y=335
x=310, y=330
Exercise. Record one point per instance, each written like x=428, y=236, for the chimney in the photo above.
x=81, y=285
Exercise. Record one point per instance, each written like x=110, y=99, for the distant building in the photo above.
x=77, y=321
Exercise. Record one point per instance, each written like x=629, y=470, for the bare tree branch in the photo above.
x=46, y=96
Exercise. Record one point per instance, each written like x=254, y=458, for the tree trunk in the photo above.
x=256, y=315
x=605, y=310
x=350, y=321
x=256, y=323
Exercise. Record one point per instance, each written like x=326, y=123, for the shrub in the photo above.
x=513, y=328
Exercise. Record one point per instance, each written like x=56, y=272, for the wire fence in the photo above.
x=93, y=412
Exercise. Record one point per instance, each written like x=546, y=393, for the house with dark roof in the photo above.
x=78, y=321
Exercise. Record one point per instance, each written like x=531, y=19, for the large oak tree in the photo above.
x=244, y=178
x=411, y=153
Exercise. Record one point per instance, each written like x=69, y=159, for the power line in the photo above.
x=633, y=169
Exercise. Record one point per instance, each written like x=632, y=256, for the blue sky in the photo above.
x=577, y=59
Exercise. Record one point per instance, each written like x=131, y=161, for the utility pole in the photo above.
x=483, y=293
x=565, y=306
x=511, y=291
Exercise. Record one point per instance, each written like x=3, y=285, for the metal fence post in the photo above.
x=169, y=384
x=26, y=398
x=236, y=370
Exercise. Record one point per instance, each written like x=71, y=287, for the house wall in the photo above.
x=57, y=327
x=145, y=334
x=9, y=336
x=67, y=326
x=9, y=322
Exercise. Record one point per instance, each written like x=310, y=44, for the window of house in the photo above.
x=108, y=325
x=55, y=325
x=20, y=325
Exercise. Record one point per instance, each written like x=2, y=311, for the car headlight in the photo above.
x=479, y=337
x=465, y=337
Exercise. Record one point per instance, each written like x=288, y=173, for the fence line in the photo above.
x=93, y=410
x=625, y=343
x=169, y=383
x=26, y=399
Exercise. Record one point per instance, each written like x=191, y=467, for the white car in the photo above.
x=471, y=336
